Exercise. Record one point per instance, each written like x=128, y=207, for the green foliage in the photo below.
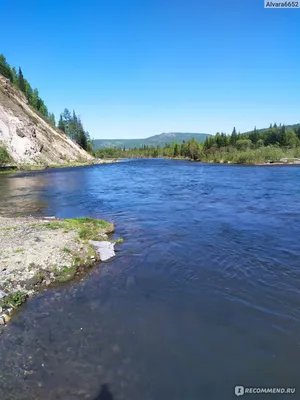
x=21, y=81
x=64, y=274
x=5, y=158
x=52, y=119
x=258, y=146
x=87, y=228
x=243, y=144
x=72, y=126
x=18, y=79
x=61, y=124
x=5, y=69
x=14, y=299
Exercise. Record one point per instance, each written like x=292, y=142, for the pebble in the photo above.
x=6, y=318
x=2, y=294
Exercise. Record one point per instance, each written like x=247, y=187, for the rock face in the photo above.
x=29, y=138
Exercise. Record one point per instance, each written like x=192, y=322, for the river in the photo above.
x=203, y=294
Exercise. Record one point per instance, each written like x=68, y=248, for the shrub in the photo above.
x=4, y=156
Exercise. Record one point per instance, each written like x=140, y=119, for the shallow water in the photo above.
x=203, y=294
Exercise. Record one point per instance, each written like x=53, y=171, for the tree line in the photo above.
x=257, y=146
x=70, y=124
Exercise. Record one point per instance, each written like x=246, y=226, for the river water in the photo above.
x=203, y=294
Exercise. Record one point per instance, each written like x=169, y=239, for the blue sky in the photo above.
x=134, y=68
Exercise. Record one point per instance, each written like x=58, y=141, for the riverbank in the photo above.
x=35, y=167
x=36, y=252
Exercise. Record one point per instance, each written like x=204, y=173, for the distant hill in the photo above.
x=156, y=140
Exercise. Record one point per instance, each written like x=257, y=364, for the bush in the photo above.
x=4, y=156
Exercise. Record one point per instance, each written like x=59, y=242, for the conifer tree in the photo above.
x=21, y=81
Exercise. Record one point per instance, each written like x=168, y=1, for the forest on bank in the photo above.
x=258, y=146
x=69, y=123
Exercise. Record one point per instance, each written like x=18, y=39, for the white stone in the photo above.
x=105, y=249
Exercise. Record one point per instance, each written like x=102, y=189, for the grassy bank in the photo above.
x=268, y=154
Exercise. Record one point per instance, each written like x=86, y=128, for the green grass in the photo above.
x=40, y=276
x=8, y=170
x=87, y=228
x=15, y=299
x=29, y=167
x=66, y=250
x=65, y=274
x=53, y=225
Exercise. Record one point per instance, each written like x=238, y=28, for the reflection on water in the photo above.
x=20, y=193
x=202, y=296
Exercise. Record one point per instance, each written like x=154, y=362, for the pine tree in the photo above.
x=14, y=76
x=21, y=81
x=61, y=124
x=67, y=121
x=35, y=99
x=28, y=91
x=52, y=119
x=234, y=137
x=176, y=150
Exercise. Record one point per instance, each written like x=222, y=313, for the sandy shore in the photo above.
x=36, y=252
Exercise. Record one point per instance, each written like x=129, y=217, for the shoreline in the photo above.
x=35, y=167
x=206, y=162
x=40, y=252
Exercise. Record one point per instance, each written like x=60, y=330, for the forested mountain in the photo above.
x=156, y=140
x=258, y=146
x=69, y=123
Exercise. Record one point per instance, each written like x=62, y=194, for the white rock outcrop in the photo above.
x=29, y=138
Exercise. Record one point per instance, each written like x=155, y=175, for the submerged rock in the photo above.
x=130, y=282
x=104, y=249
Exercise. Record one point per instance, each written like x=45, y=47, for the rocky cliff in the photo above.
x=29, y=138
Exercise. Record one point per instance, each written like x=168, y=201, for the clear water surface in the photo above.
x=203, y=294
